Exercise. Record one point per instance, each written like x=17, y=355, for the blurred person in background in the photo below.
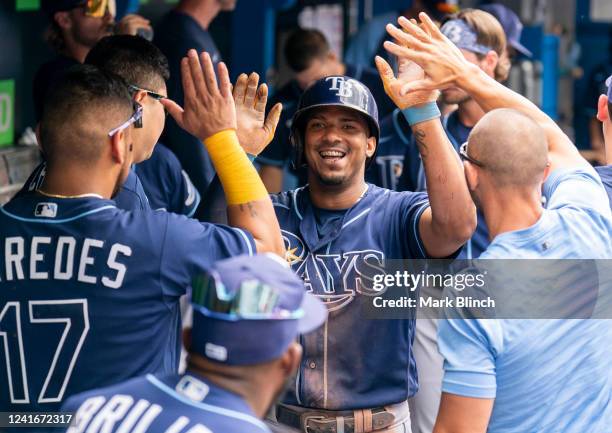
x=310, y=58
x=367, y=42
x=183, y=28
x=75, y=26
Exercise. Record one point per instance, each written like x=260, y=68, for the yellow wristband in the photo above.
x=239, y=178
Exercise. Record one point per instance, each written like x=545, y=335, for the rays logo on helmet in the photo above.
x=342, y=87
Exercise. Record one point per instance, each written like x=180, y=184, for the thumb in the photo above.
x=385, y=71
x=175, y=110
x=272, y=119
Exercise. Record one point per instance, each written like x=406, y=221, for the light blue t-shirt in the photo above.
x=545, y=375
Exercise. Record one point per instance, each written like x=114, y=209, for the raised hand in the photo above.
x=408, y=72
x=425, y=45
x=209, y=107
x=255, y=130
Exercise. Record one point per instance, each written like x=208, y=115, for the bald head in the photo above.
x=512, y=148
x=78, y=114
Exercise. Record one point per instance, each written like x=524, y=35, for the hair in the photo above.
x=304, y=46
x=79, y=112
x=490, y=33
x=133, y=58
x=54, y=38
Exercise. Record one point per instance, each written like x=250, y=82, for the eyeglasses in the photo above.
x=464, y=155
x=158, y=97
x=135, y=119
x=253, y=300
x=98, y=8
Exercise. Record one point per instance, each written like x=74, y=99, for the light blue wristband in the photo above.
x=420, y=114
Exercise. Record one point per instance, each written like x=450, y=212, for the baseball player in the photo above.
x=310, y=58
x=89, y=293
x=481, y=39
x=160, y=182
x=248, y=312
x=604, y=115
x=357, y=374
x=520, y=375
x=75, y=26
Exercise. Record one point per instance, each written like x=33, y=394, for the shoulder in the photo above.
x=289, y=93
x=129, y=387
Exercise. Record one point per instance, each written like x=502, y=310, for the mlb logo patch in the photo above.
x=46, y=210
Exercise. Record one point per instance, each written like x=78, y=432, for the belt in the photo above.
x=330, y=421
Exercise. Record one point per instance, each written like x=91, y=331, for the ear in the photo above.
x=471, y=175
x=547, y=170
x=489, y=63
x=140, y=96
x=602, y=109
x=118, y=145
x=63, y=20
x=290, y=361
x=187, y=339
x=370, y=147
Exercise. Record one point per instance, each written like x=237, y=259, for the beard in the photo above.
x=455, y=97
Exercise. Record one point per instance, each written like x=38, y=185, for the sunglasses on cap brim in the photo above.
x=253, y=300
x=98, y=8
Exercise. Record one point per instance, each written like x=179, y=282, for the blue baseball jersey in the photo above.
x=166, y=184
x=605, y=173
x=413, y=174
x=351, y=363
x=163, y=404
x=545, y=375
x=89, y=293
x=131, y=195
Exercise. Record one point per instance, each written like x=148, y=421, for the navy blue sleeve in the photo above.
x=411, y=207
x=190, y=247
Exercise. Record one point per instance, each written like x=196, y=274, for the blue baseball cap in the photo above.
x=248, y=309
x=463, y=36
x=511, y=24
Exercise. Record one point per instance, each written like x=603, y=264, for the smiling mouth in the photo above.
x=332, y=155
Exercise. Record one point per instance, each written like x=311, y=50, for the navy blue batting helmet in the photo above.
x=340, y=91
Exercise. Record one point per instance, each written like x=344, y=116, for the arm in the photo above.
x=210, y=115
x=458, y=414
x=445, y=65
x=451, y=218
x=272, y=177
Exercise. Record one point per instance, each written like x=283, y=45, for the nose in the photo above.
x=332, y=134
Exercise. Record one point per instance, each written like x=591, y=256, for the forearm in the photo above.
x=490, y=95
x=453, y=211
x=249, y=206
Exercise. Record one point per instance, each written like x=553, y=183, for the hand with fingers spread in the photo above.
x=408, y=72
x=425, y=45
x=255, y=130
x=209, y=106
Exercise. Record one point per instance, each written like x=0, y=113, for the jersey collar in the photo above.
x=308, y=224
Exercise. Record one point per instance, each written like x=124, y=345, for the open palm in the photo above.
x=255, y=130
